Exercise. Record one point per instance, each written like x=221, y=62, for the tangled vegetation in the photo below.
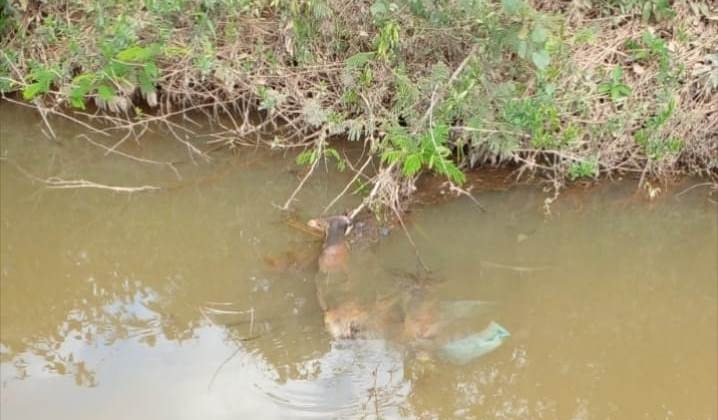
x=567, y=90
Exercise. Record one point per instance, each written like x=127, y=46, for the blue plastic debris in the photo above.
x=466, y=349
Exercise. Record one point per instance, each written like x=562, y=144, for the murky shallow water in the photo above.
x=163, y=305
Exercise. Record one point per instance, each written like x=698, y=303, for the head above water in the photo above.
x=334, y=227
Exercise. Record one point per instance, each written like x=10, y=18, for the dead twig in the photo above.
x=59, y=183
x=702, y=184
x=63, y=184
x=346, y=188
x=517, y=268
x=301, y=184
x=374, y=191
x=411, y=242
x=132, y=157
x=455, y=188
x=320, y=152
x=60, y=114
x=42, y=111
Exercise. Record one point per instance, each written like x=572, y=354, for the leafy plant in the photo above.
x=388, y=38
x=42, y=78
x=311, y=155
x=657, y=10
x=656, y=147
x=428, y=150
x=583, y=169
x=651, y=47
x=615, y=88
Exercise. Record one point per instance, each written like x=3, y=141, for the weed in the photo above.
x=583, y=169
x=615, y=88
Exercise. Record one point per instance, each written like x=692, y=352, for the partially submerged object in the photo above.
x=421, y=314
x=335, y=250
x=471, y=347
x=346, y=321
x=342, y=317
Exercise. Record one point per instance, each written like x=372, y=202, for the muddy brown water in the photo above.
x=164, y=306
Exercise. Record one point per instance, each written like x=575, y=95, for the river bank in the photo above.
x=168, y=303
x=564, y=92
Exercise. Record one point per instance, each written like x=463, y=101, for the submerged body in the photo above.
x=414, y=313
x=346, y=315
x=335, y=251
x=332, y=280
x=343, y=316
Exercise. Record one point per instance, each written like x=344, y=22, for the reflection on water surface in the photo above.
x=199, y=302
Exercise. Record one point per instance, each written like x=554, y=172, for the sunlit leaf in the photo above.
x=512, y=7
x=541, y=59
x=359, y=59
x=32, y=90
x=539, y=34
x=412, y=165
x=106, y=92
x=379, y=8
x=137, y=54
x=306, y=157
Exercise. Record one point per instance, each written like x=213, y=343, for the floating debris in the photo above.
x=466, y=349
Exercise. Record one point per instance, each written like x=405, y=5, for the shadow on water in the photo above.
x=199, y=302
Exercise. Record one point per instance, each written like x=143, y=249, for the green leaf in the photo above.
x=77, y=102
x=43, y=78
x=539, y=35
x=174, y=51
x=617, y=74
x=359, y=59
x=522, y=48
x=641, y=137
x=623, y=90
x=116, y=69
x=541, y=59
x=583, y=169
x=441, y=133
x=412, y=165
x=379, y=9
x=152, y=70
x=333, y=153
x=443, y=151
x=137, y=54
x=106, y=92
x=605, y=88
x=147, y=85
x=306, y=157
x=32, y=90
x=453, y=172
x=83, y=80
x=512, y=7
x=81, y=86
x=390, y=156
